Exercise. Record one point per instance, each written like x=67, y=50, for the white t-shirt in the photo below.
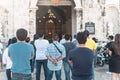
x=41, y=46
x=62, y=41
x=6, y=59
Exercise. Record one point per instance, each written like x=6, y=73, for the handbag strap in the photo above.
x=57, y=49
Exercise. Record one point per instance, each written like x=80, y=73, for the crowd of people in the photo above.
x=75, y=55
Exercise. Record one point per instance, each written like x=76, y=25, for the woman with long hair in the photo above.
x=114, y=63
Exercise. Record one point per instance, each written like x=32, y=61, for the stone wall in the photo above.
x=22, y=14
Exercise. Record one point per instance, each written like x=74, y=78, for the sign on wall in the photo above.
x=90, y=26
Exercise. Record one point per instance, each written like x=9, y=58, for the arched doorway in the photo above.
x=54, y=19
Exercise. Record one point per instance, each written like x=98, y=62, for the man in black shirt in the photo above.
x=108, y=45
x=82, y=59
x=68, y=46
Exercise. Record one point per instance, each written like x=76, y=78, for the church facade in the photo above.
x=100, y=17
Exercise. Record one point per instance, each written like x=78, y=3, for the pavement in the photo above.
x=101, y=73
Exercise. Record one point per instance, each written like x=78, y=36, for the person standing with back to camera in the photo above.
x=55, y=53
x=41, y=59
x=91, y=45
x=68, y=46
x=114, y=62
x=20, y=54
x=81, y=59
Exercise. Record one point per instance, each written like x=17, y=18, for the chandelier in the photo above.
x=55, y=1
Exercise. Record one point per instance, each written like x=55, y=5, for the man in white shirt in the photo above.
x=41, y=59
x=62, y=41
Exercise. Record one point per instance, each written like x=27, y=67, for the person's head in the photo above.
x=21, y=34
x=110, y=37
x=81, y=37
x=9, y=42
x=95, y=39
x=55, y=37
x=75, y=36
x=86, y=33
x=40, y=34
x=35, y=37
x=27, y=40
x=67, y=37
x=13, y=40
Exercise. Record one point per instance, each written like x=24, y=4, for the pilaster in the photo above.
x=32, y=21
x=78, y=18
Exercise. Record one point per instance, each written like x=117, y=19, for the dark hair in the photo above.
x=9, y=42
x=75, y=36
x=40, y=34
x=27, y=39
x=21, y=34
x=81, y=38
x=55, y=37
x=95, y=39
x=86, y=32
x=116, y=44
x=110, y=37
x=67, y=37
x=35, y=36
x=13, y=40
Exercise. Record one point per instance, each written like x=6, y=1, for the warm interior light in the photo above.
x=50, y=21
x=55, y=1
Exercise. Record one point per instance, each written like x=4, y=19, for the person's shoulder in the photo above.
x=36, y=40
x=61, y=45
x=12, y=45
x=50, y=45
x=29, y=44
x=109, y=43
x=88, y=50
x=74, y=50
x=64, y=43
x=71, y=43
x=6, y=49
x=45, y=40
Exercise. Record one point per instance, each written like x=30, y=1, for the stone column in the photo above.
x=32, y=17
x=32, y=21
x=110, y=28
x=78, y=18
x=10, y=27
x=0, y=29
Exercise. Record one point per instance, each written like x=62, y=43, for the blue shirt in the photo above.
x=54, y=53
x=20, y=54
